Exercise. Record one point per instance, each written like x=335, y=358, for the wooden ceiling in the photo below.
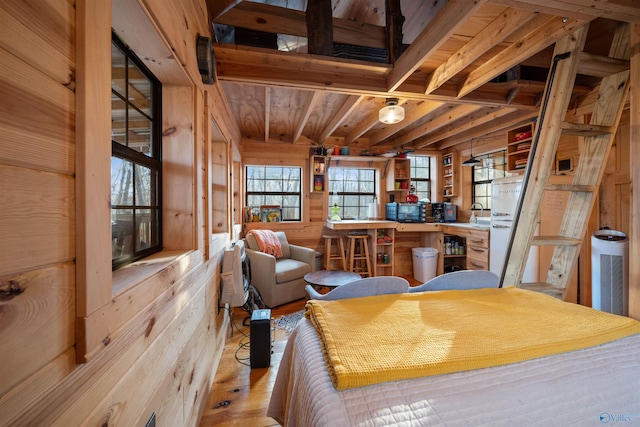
x=469, y=68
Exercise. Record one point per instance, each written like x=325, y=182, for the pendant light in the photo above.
x=471, y=161
x=391, y=113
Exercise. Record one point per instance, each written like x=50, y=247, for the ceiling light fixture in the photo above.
x=471, y=161
x=391, y=113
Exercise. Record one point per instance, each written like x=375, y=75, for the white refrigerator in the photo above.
x=505, y=193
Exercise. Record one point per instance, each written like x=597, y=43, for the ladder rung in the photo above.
x=572, y=187
x=555, y=241
x=543, y=287
x=600, y=66
x=582, y=129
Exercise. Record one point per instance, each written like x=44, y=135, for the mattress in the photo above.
x=590, y=387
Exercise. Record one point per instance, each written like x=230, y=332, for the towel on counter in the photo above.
x=267, y=242
x=385, y=338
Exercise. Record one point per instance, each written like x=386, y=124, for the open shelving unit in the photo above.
x=318, y=173
x=449, y=161
x=518, y=147
x=399, y=177
x=383, y=264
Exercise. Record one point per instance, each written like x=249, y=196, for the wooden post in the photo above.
x=319, y=27
x=634, y=238
x=394, y=21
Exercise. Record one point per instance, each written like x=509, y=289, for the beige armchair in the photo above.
x=280, y=280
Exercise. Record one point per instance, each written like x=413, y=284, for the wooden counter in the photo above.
x=406, y=236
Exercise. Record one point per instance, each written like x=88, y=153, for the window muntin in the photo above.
x=135, y=158
x=275, y=186
x=421, y=176
x=352, y=189
x=492, y=165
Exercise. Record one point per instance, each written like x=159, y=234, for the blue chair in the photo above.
x=463, y=279
x=380, y=285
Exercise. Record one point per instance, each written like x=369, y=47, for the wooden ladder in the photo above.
x=598, y=136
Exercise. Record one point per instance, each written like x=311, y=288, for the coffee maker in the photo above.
x=437, y=212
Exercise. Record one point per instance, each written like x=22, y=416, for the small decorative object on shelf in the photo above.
x=335, y=213
x=270, y=213
x=411, y=196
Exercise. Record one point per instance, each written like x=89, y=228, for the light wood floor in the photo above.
x=240, y=395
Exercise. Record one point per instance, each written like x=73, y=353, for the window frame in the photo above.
x=487, y=182
x=413, y=179
x=299, y=194
x=153, y=162
x=339, y=196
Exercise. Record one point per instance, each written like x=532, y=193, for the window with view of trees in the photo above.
x=352, y=189
x=492, y=165
x=135, y=158
x=421, y=176
x=275, y=186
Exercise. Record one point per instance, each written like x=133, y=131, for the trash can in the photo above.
x=609, y=271
x=425, y=263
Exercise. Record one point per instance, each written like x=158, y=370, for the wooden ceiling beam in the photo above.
x=347, y=108
x=452, y=15
x=217, y=8
x=280, y=20
x=439, y=118
x=258, y=66
x=619, y=10
x=509, y=121
x=308, y=108
x=600, y=65
x=539, y=38
x=470, y=121
x=496, y=32
x=365, y=125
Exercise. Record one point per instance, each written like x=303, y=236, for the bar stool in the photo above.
x=359, y=261
x=329, y=256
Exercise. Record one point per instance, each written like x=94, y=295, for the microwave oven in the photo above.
x=406, y=212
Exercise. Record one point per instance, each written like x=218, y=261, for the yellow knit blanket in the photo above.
x=395, y=337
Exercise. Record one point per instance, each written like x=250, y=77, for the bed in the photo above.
x=596, y=385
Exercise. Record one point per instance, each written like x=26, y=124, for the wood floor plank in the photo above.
x=240, y=395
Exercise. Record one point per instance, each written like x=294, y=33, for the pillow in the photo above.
x=284, y=244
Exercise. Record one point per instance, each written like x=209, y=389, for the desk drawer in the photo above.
x=477, y=264
x=477, y=258
x=478, y=239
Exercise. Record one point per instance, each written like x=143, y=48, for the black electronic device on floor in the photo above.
x=260, y=335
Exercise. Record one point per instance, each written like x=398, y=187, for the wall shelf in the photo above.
x=318, y=167
x=399, y=175
x=518, y=147
x=448, y=175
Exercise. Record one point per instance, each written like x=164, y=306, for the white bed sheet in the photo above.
x=592, y=387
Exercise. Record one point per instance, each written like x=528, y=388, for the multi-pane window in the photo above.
x=279, y=186
x=352, y=189
x=492, y=165
x=421, y=176
x=135, y=158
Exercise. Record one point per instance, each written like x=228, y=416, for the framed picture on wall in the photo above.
x=270, y=213
x=564, y=166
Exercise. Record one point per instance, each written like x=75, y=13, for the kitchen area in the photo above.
x=406, y=225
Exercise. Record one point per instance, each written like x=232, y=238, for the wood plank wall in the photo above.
x=154, y=334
